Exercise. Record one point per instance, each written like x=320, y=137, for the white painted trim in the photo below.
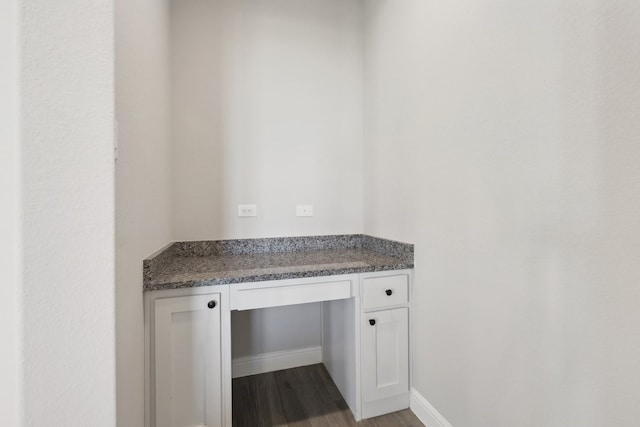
x=268, y=362
x=385, y=405
x=425, y=412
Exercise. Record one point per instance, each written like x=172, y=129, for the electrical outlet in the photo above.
x=247, y=210
x=304, y=210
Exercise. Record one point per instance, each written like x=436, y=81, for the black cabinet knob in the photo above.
x=372, y=322
x=211, y=304
x=389, y=292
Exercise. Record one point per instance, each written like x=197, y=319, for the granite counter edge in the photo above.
x=272, y=276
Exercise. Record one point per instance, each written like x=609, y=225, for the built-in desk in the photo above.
x=364, y=284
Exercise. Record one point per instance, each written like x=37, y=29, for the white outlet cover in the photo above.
x=247, y=210
x=304, y=210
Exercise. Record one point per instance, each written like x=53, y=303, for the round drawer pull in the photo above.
x=372, y=322
x=389, y=292
x=211, y=304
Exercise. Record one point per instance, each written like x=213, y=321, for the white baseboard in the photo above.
x=268, y=362
x=426, y=412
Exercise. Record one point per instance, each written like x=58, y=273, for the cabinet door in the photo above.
x=188, y=383
x=385, y=354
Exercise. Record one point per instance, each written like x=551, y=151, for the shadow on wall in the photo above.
x=197, y=124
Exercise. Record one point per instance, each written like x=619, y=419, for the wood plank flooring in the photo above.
x=301, y=397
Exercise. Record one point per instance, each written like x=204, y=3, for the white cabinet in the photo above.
x=188, y=361
x=188, y=343
x=385, y=354
x=384, y=344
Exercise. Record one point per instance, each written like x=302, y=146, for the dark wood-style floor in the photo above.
x=299, y=397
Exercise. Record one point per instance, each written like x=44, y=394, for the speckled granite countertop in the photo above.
x=218, y=262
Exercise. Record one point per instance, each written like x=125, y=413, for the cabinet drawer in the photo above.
x=385, y=291
x=248, y=297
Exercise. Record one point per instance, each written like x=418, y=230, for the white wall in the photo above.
x=143, y=181
x=10, y=222
x=276, y=329
x=267, y=110
x=502, y=139
x=66, y=139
